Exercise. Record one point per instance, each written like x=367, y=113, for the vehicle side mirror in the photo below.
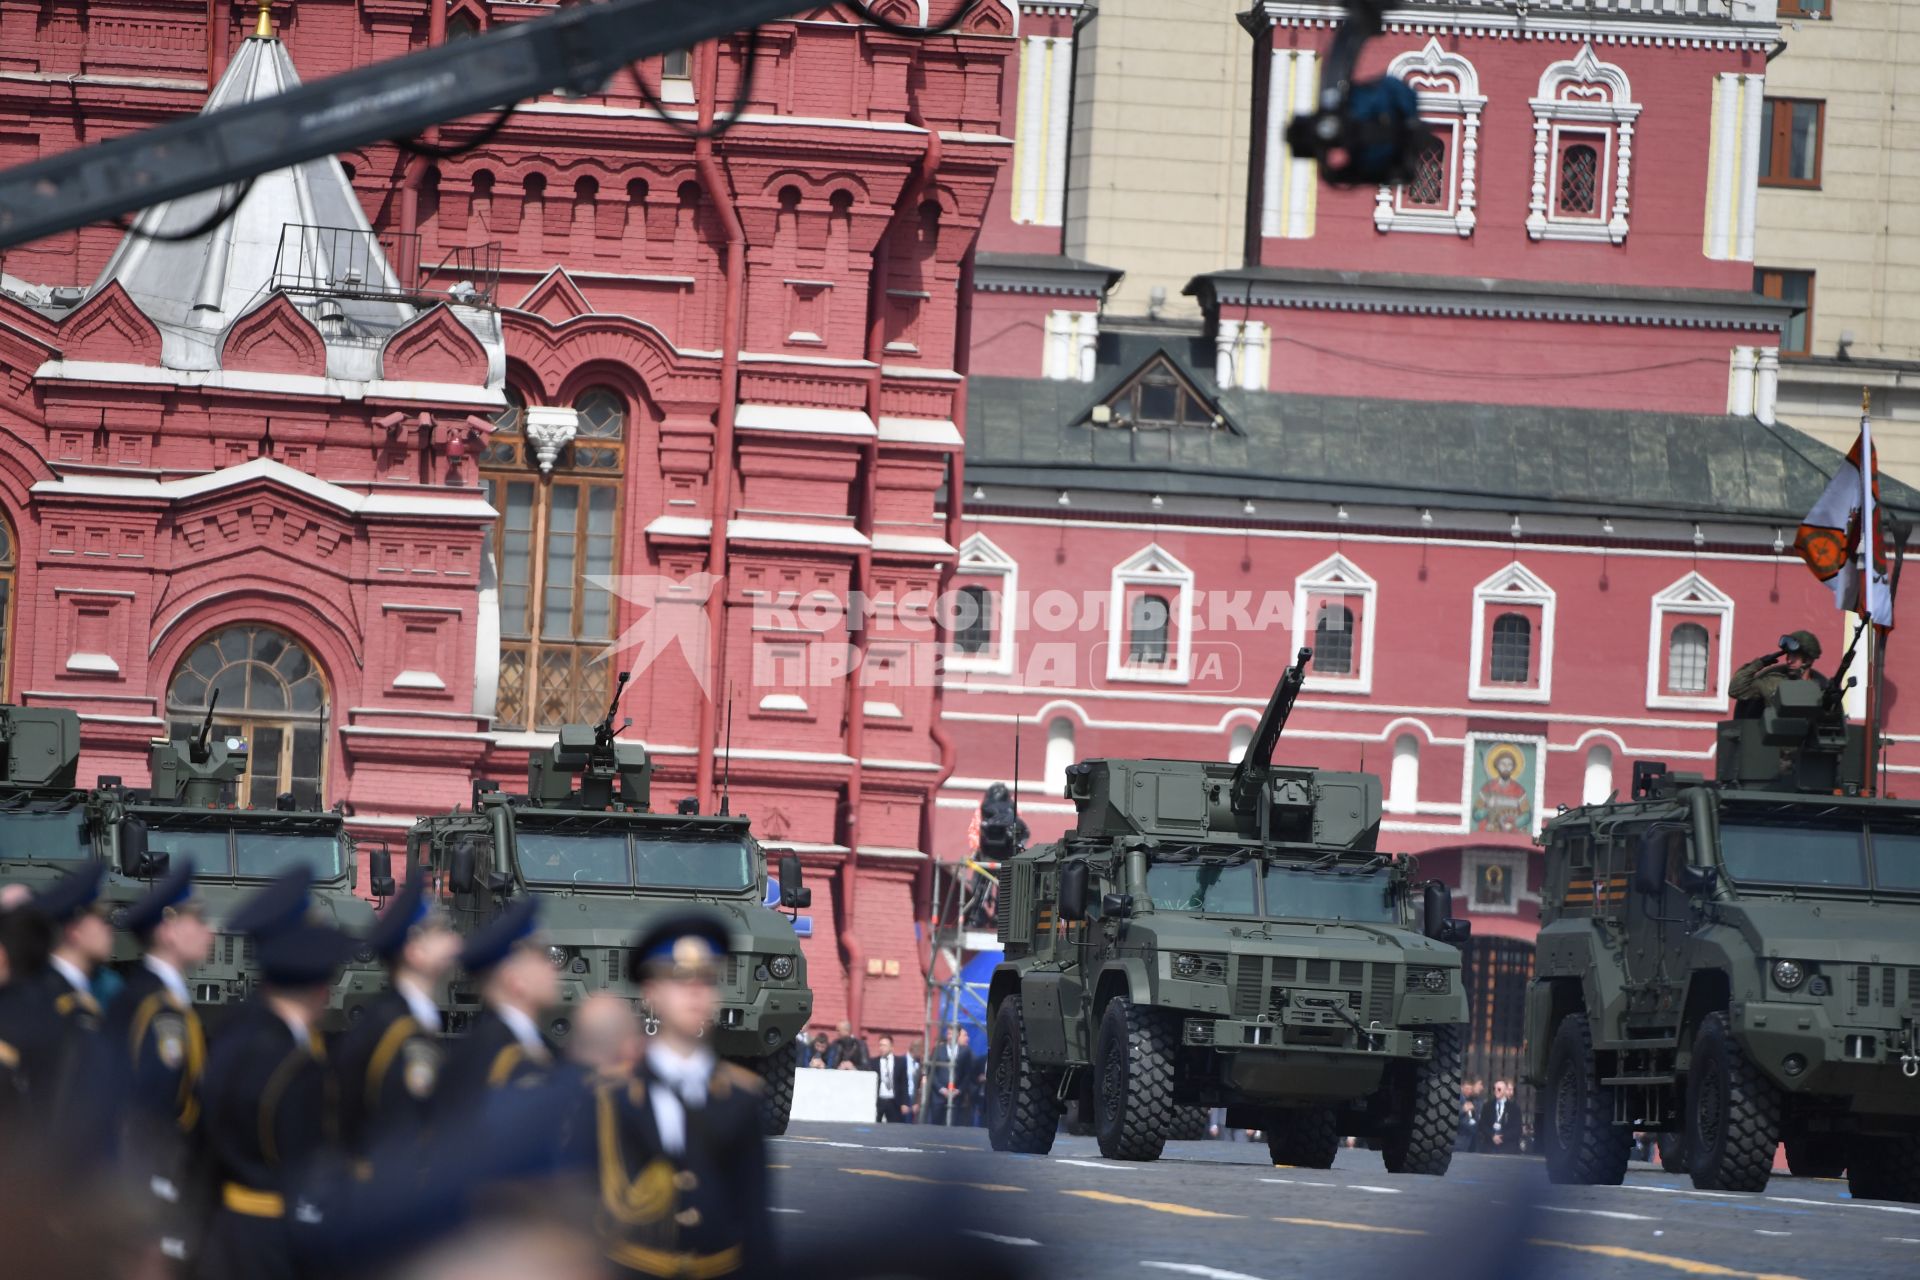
x=381, y=881
x=460, y=867
x=1436, y=908
x=1698, y=879
x=1117, y=906
x=791, y=889
x=1455, y=933
x=1073, y=891
x=1650, y=866
x=499, y=883
x=136, y=859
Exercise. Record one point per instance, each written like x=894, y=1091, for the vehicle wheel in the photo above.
x=777, y=1069
x=1817, y=1155
x=1582, y=1144
x=1133, y=1110
x=1733, y=1114
x=1425, y=1143
x=1673, y=1151
x=1023, y=1112
x=1884, y=1169
x=1304, y=1137
x=1189, y=1124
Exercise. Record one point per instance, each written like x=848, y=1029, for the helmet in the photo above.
x=1804, y=643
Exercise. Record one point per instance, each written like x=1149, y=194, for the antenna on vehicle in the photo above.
x=726, y=775
x=1016, y=766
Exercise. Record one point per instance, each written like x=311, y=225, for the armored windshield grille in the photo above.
x=1380, y=989
x=1887, y=996
x=1863, y=986
x=1249, y=986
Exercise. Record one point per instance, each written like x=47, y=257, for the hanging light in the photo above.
x=1426, y=517
x=1246, y=508
x=979, y=494
x=1158, y=502
x=1514, y=528
x=1699, y=538
x=1065, y=501
x=1340, y=512
x=1606, y=525
x=1779, y=542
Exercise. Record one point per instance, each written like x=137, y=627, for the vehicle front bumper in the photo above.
x=1873, y=1066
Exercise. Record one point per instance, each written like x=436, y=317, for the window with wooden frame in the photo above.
x=272, y=695
x=1159, y=398
x=1577, y=176
x=1333, y=640
x=1148, y=617
x=1791, y=132
x=9, y=562
x=1796, y=289
x=557, y=538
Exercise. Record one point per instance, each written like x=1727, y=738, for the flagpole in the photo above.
x=1869, y=535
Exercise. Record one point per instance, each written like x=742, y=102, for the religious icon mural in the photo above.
x=1503, y=781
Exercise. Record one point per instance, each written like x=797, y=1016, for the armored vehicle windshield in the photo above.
x=598, y=854
x=54, y=833
x=1770, y=849
x=250, y=854
x=1286, y=889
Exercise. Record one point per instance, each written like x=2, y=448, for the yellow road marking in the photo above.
x=1350, y=1226
x=1686, y=1265
x=890, y=1176
x=1158, y=1206
x=951, y=1146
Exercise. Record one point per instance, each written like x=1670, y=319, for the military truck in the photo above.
x=1735, y=961
x=187, y=811
x=43, y=815
x=1226, y=935
x=583, y=840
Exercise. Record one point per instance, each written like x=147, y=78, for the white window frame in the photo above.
x=1242, y=354
x=1455, y=111
x=1515, y=862
x=1692, y=598
x=1336, y=575
x=1604, y=104
x=1515, y=584
x=981, y=558
x=1072, y=345
x=1151, y=566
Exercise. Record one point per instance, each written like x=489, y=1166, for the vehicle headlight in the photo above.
x=559, y=957
x=1186, y=966
x=1789, y=974
x=781, y=967
x=1434, y=979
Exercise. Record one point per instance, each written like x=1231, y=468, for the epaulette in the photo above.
x=9, y=1056
x=728, y=1076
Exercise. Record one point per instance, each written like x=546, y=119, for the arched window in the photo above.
x=1238, y=744
x=9, y=561
x=1599, y=780
x=556, y=540
x=1687, y=659
x=1403, y=785
x=1333, y=640
x=1429, y=186
x=1512, y=658
x=1060, y=754
x=271, y=694
x=973, y=620
x=1579, y=181
x=1147, y=620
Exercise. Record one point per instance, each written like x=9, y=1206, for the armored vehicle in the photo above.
x=1226, y=935
x=583, y=840
x=1735, y=960
x=43, y=816
x=187, y=812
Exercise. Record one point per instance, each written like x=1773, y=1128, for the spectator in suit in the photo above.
x=1465, y=1136
x=952, y=1067
x=847, y=1052
x=899, y=1075
x=1497, y=1129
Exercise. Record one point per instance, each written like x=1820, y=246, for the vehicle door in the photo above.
x=1657, y=920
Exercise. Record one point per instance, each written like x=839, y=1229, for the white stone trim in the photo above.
x=1289, y=184
x=98, y=664
x=1476, y=304
x=1457, y=112
x=1242, y=354
x=912, y=544
x=1691, y=597
x=1039, y=179
x=1151, y=566
x=418, y=680
x=1072, y=345
x=346, y=500
x=803, y=420
x=981, y=557
x=1337, y=575
x=1694, y=24
x=1515, y=584
x=1614, y=115
x=785, y=703
x=284, y=384
x=938, y=432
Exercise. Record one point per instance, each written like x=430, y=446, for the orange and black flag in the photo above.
x=1856, y=568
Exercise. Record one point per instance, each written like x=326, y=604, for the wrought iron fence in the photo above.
x=346, y=262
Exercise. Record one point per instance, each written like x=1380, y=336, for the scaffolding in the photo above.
x=960, y=924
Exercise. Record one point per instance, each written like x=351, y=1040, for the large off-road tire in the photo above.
x=1424, y=1143
x=1733, y=1114
x=1133, y=1108
x=1817, y=1155
x=1582, y=1144
x=1671, y=1150
x=1884, y=1169
x=1023, y=1107
x=1190, y=1124
x=777, y=1069
x=1304, y=1137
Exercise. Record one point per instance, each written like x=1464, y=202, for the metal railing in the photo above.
x=346, y=262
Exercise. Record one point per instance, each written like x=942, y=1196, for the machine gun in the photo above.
x=590, y=753
x=604, y=731
x=202, y=745
x=1249, y=776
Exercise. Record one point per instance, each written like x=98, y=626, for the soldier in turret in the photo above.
x=1793, y=659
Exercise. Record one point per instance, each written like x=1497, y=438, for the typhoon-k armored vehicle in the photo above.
x=43, y=813
x=583, y=840
x=1226, y=935
x=1735, y=961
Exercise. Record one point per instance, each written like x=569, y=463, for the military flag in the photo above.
x=1843, y=539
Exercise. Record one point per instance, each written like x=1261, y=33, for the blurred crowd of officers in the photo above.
x=142, y=1140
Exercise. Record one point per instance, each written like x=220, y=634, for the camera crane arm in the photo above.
x=574, y=50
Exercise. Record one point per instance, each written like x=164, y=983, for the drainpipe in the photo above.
x=733, y=269
x=417, y=165
x=906, y=207
x=217, y=35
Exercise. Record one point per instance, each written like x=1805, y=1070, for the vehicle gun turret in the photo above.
x=1800, y=741
x=609, y=772
x=196, y=772
x=39, y=748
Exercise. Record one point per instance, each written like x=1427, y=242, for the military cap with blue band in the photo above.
x=303, y=955
x=686, y=944
x=71, y=894
x=166, y=893
x=395, y=925
x=278, y=907
x=490, y=945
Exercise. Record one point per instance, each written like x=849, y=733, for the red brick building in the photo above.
x=395, y=454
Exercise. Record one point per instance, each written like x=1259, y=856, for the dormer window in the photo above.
x=1159, y=398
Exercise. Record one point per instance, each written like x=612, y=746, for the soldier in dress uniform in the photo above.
x=264, y=1095
x=387, y=1066
x=678, y=1160
x=518, y=985
x=82, y=942
x=29, y=1029
x=162, y=1047
x=75, y=1081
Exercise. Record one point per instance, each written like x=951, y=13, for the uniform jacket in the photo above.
x=386, y=1069
x=264, y=1101
x=159, y=1046
x=488, y=1057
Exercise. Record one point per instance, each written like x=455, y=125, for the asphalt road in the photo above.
x=1221, y=1211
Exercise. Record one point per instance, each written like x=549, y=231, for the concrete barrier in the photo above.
x=847, y=1097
